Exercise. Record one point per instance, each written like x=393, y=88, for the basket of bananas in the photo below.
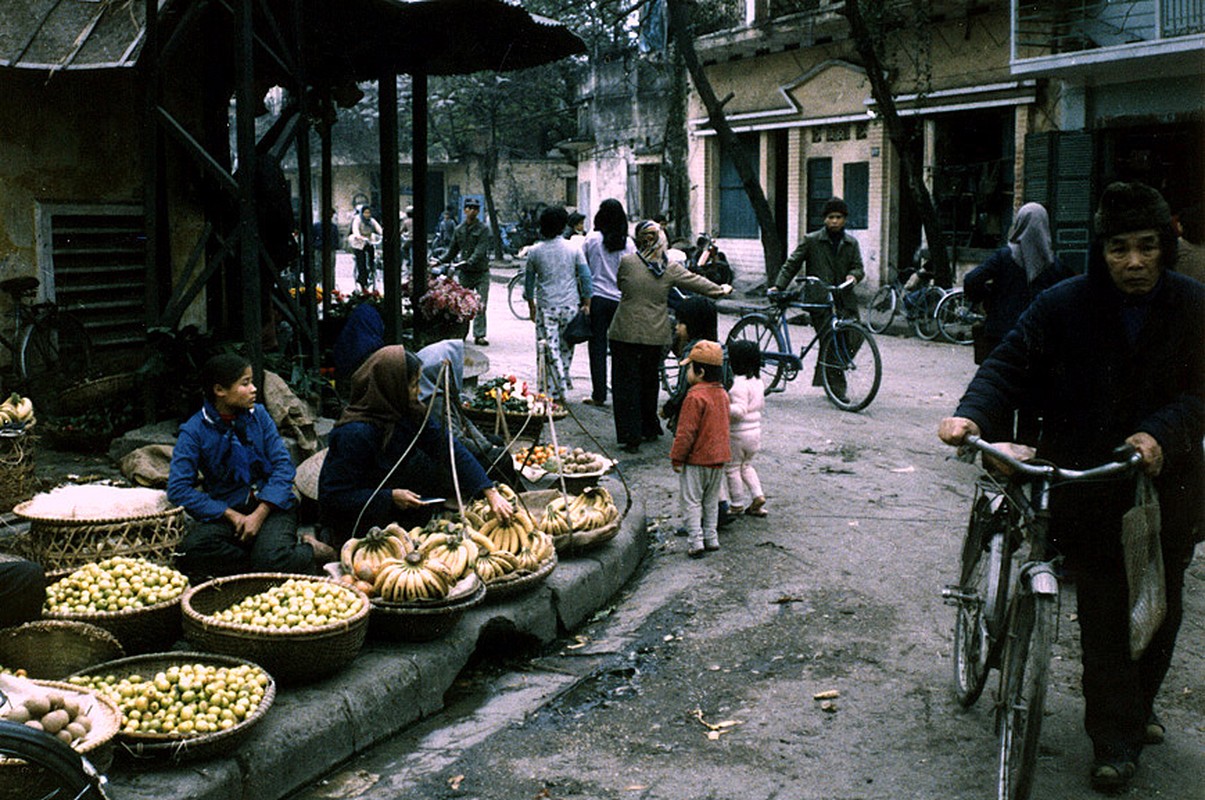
x=420, y=581
x=513, y=555
x=575, y=522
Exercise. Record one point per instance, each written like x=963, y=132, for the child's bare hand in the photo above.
x=677, y=467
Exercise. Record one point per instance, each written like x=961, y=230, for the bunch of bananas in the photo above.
x=364, y=557
x=556, y=518
x=494, y=564
x=417, y=576
x=510, y=536
x=539, y=548
x=453, y=543
x=16, y=412
x=591, y=509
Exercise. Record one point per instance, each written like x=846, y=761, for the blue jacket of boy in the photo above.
x=209, y=445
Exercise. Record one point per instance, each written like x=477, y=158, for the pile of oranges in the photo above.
x=536, y=456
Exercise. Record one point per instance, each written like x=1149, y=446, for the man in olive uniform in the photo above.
x=472, y=242
x=831, y=255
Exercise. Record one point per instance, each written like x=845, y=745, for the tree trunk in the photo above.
x=677, y=176
x=880, y=89
x=681, y=30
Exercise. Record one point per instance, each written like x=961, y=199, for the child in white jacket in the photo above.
x=747, y=398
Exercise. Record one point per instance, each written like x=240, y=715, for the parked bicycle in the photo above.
x=50, y=348
x=956, y=316
x=514, y=295
x=848, y=355
x=912, y=294
x=52, y=771
x=1007, y=600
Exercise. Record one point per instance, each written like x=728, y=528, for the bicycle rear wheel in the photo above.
x=56, y=352
x=1023, y=692
x=955, y=316
x=881, y=310
x=924, y=320
x=514, y=297
x=56, y=772
x=850, y=364
x=758, y=328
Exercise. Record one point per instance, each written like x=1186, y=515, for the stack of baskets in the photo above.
x=426, y=620
x=57, y=543
x=53, y=649
x=17, y=480
x=295, y=655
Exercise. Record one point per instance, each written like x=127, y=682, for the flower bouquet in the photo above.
x=446, y=301
x=518, y=401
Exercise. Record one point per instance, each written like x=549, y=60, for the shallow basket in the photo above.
x=96, y=392
x=413, y=622
x=523, y=426
x=295, y=656
x=19, y=781
x=140, y=630
x=175, y=747
x=52, y=649
x=575, y=542
x=519, y=582
x=57, y=543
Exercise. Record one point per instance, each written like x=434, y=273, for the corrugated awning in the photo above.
x=70, y=34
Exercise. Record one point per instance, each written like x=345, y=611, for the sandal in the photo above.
x=1155, y=731
x=1112, y=777
x=757, y=507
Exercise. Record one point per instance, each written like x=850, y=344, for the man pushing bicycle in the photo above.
x=1115, y=355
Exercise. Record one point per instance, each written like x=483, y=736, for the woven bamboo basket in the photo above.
x=58, y=543
x=415, y=622
x=296, y=656
x=575, y=542
x=179, y=747
x=509, y=425
x=139, y=630
x=19, y=781
x=519, y=582
x=99, y=391
x=18, y=482
x=53, y=649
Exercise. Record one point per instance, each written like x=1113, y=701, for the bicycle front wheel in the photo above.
x=514, y=297
x=924, y=320
x=758, y=328
x=982, y=595
x=1023, y=692
x=849, y=362
x=955, y=317
x=53, y=770
x=881, y=310
x=55, y=353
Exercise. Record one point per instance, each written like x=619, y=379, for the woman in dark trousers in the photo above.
x=22, y=592
x=640, y=331
x=604, y=246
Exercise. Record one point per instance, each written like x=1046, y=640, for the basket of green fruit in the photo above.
x=297, y=627
x=134, y=599
x=182, y=706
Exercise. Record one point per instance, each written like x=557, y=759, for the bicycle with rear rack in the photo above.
x=1007, y=598
x=50, y=349
x=848, y=356
x=913, y=295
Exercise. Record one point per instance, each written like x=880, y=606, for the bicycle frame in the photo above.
x=776, y=313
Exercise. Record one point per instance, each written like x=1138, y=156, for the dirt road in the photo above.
x=699, y=682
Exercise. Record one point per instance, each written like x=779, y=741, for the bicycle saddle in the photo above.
x=20, y=286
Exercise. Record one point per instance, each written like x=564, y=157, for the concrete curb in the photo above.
x=312, y=729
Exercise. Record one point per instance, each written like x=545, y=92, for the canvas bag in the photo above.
x=1144, y=566
x=578, y=330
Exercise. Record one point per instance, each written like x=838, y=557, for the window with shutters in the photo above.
x=820, y=189
x=857, y=194
x=737, y=220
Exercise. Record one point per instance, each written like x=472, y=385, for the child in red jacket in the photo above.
x=700, y=447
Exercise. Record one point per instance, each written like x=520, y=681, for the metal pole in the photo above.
x=150, y=186
x=244, y=71
x=328, y=247
x=387, y=90
x=418, y=157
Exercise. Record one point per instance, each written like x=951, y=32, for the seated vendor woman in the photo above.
x=232, y=473
x=383, y=460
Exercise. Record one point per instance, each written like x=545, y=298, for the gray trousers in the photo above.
x=481, y=282
x=699, y=499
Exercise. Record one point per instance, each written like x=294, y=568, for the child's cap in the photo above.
x=705, y=352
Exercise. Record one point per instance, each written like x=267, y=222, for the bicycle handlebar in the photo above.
x=1127, y=460
x=786, y=297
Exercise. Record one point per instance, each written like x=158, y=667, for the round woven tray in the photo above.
x=176, y=747
x=572, y=543
x=519, y=582
x=99, y=391
x=70, y=543
x=295, y=656
x=414, y=622
x=51, y=649
x=19, y=781
x=517, y=425
x=140, y=630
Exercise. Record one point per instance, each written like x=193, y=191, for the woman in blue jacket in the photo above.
x=383, y=461
x=232, y=473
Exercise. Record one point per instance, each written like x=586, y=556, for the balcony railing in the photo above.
x=1043, y=28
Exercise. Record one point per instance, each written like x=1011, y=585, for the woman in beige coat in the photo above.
x=640, y=331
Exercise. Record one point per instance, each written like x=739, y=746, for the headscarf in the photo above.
x=363, y=333
x=380, y=389
x=653, y=253
x=433, y=356
x=1029, y=240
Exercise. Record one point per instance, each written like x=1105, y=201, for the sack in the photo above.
x=1144, y=566
x=578, y=330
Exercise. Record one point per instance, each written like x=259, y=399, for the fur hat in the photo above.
x=1128, y=207
x=835, y=205
x=705, y=352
